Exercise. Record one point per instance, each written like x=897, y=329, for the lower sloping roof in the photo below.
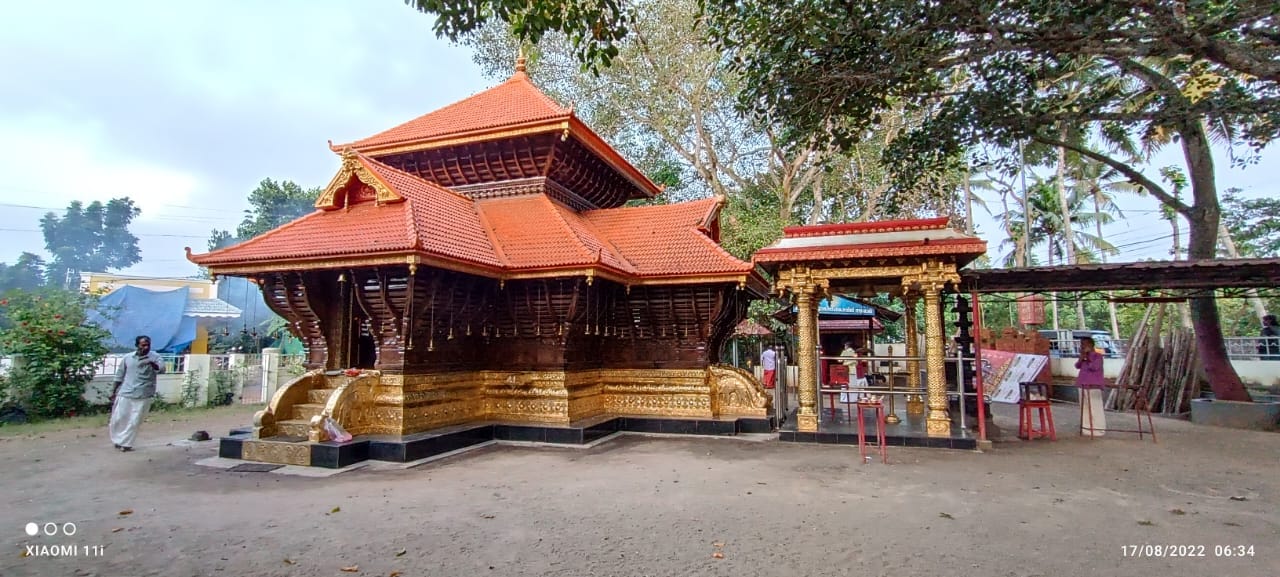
x=210, y=308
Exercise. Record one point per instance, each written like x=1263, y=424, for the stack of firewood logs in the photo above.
x=1162, y=363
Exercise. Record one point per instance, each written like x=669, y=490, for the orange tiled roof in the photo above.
x=513, y=103
x=896, y=238
x=432, y=219
x=667, y=239
x=503, y=235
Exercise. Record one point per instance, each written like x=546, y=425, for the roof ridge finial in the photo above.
x=520, y=60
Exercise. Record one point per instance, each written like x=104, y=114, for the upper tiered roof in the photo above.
x=512, y=105
x=512, y=131
x=372, y=213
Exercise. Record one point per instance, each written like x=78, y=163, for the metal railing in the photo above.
x=884, y=375
x=111, y=363
x=1238, y=348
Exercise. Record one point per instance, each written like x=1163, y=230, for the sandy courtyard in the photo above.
x=657, y=506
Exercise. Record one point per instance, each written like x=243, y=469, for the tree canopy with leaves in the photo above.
x=90, y=238
x=271, y=205
x=1254, y=224
x=26, y=273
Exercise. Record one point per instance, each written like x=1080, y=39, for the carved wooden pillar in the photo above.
x=340, y=348
x=915, y=402
x=939, y=422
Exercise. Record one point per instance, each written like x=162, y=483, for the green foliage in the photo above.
x=271, y=205
x=191, y=388
x=593, y=27
x=57, y=348
x=90, y=238
x=1048, y=229
x=26, y=274
x=749, y=222
x=1254, y=224
x=222, y=386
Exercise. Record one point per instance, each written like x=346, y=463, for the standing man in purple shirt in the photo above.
x=135, y=386
x=1093, y=421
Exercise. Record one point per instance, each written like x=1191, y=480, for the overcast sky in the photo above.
x=185, y=107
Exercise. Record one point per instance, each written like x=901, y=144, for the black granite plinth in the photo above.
x=839, y=428
x=444, y=440
x=331, y=455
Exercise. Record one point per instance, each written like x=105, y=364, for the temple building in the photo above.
x=479, y=265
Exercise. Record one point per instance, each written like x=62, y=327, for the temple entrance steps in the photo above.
x=289, y=412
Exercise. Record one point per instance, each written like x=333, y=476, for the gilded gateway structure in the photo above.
x=476, y=267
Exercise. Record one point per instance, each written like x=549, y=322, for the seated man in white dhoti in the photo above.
x=135, y=386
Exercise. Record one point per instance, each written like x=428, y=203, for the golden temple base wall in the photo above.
x=406, y=404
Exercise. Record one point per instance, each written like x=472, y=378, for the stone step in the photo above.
x=279, y=450
x=305, y=411
x=320, y=396
x=294, y=428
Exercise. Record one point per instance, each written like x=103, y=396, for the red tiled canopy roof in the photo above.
x=516, y=102
x=501, y=237
x=896, y=238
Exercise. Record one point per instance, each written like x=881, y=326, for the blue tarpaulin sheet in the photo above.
x=130, y=311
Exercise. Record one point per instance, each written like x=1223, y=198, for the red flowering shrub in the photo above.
x=54, y=347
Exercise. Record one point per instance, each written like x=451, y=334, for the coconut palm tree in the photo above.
x=1101, y=183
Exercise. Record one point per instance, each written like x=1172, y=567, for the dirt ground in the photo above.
x=658, y=506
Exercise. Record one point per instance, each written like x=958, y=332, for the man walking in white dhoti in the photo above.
x=134, y=388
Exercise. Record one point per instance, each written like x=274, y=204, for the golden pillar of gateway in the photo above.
x=806, y=325
x=938, y=422
x=915, y=402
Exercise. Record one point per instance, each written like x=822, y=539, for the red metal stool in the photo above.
x=1035, y=397
x=1140, y=408
x=878, y=406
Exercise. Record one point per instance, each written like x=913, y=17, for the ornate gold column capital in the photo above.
x=801, y=280
x=931, y=277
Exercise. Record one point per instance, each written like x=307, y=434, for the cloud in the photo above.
x=185, y=107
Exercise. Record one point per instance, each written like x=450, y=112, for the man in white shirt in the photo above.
x=135, y=386
x=769, y=362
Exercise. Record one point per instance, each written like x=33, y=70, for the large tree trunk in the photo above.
x=815, y=216
x=1203, y=244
